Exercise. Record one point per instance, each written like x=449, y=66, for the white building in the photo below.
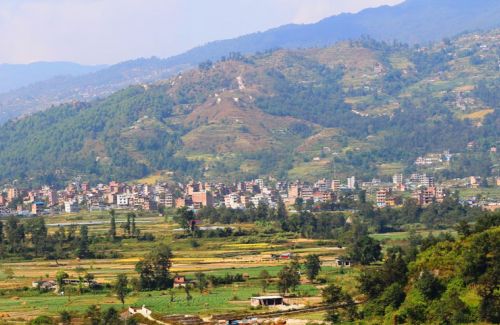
x=122, y=200
x=351, y=182
x=397, y=179
x=71, y=207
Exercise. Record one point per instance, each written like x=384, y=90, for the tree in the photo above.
x=133, y=229
x=1, y=232
x=365, y=250
x=429, y=285
x=281, y=212
x=89, y=278
x=264, y=279
x=112, y=226
x=65, y=317
x=288, y=279
x=38, y=231
x=154, y=269
x=111, y=317
x=15, y=234
x=313, y=266
x=187, y=290
x=185, y=218
x=83, y=244
x=202, y=282
x=93, y=315
x=121, y=287
x=60, y=277
x=336, y=298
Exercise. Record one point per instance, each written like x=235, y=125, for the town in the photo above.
x=194, y=195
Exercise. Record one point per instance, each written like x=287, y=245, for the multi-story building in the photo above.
x=335, y=185
x=381, y=198
x=397, y=179
x=71, y=207
x=351, y=182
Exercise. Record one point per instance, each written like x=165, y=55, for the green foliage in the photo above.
x=365, y=250
x=120, y=287
x=42, y=320
x=336, y=299
x=312, y=266
x=154, y=269
x=288, y=278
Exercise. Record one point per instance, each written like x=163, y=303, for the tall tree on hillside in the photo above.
x=83, y=242
x=133, y=229
x=15, y=234
x=38, y=231
x=154, y=269
x=288, y=279
x=335, y=298
x=313, y=266
x=1, y=232
x=60, y=277
x=281, y=213
x=264, y=279
x=185, y=218
x=121, y=287
x=365, y=250
x=112, y=226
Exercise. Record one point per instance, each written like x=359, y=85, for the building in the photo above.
x=232, y=201
x=37, y=208
x=266, y=301
x=123, y=200
x=397, y=179
x=335, y=185
x=12, y=194
x=342, y=262
x=71, y=207
x=351, y=183
x=382, y=198
x=202, y=199
x=180, y=281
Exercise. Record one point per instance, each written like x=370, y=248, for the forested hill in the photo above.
x=413, y=21
x=359, y=105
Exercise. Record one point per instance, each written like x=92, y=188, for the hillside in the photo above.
x=356, y=107
x=414, y=21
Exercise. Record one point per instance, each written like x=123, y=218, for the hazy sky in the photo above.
x=109, y=31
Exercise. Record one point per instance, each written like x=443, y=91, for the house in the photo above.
x=37, y=208
x=142, y=311
x=266, y=301
x=44, y=284
x=342, y=262
x=284, y=256
x=71, y=207
x=180, y=281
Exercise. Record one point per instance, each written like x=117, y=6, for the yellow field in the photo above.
x=479, y=115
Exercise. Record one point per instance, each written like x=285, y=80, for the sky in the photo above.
x=111, y=31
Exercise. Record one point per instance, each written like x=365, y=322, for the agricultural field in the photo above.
x=246, y=255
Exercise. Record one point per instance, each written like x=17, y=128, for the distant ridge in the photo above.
x=414, y=21
x=13, y=76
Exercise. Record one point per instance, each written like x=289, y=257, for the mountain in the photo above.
x=364, y=108
x=414, y=21
x=13, y=76
x=65, y=88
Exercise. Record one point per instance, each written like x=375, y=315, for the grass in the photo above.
x=486, y=193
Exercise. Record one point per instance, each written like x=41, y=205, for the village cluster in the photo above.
x=195, y=195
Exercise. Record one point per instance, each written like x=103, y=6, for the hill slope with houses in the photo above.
x=359, y=107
